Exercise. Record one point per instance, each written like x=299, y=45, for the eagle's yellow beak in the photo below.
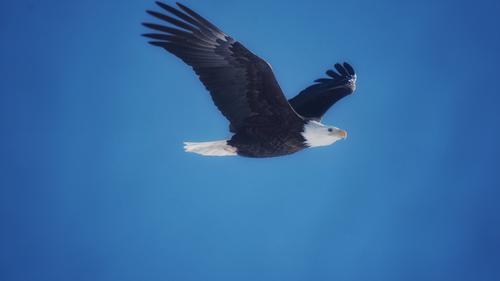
x=343, y=134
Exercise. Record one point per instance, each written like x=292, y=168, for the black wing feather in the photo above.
x=241, y=84
x=314, y=101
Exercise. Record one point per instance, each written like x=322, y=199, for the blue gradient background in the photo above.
x=95, y=184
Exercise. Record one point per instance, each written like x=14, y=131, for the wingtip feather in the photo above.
x=332, y=73
x=152, y=13
x=157, y=43
x=349, y=68
x=164, y=6
x=341, y=69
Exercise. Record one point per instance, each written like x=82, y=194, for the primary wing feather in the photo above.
x=315, y=100
x=241, y=84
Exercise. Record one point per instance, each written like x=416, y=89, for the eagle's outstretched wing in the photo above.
x=241, y=84
x=314, y=101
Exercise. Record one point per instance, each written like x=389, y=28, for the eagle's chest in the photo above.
x=267, y=141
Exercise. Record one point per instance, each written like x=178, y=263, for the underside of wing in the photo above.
x=241, y=84
x=314, y=101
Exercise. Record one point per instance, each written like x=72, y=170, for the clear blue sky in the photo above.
x=95, y=184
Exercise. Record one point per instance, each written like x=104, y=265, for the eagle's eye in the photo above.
x=330, y=130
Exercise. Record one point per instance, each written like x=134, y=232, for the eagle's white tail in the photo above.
x=210, y=148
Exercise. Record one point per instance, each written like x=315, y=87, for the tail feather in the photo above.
x=210, y=148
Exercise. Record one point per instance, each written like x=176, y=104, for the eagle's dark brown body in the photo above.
x=268, y=141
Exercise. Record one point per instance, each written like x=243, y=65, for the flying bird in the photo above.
x=262, y=121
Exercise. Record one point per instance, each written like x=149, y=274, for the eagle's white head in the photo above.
x=317, y=134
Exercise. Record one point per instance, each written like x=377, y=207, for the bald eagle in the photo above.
x=262, y=121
